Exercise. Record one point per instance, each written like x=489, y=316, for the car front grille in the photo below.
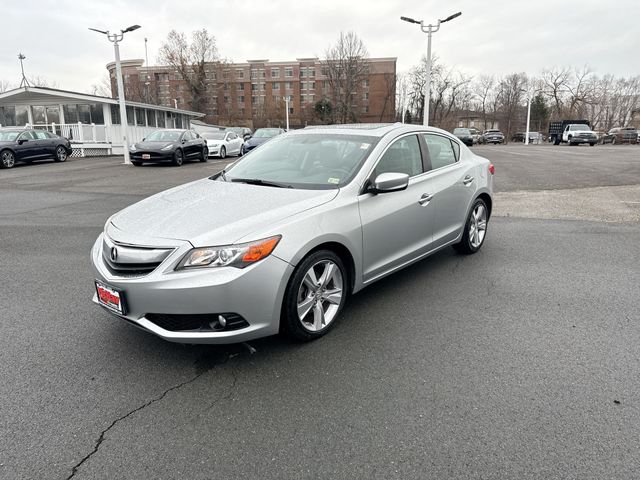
x=130, y=261
x=206, y=322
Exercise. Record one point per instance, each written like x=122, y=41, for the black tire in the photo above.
x=136, y=163
x=61, y=154
x=7, y=159
x=465, y=245
x=178, y=158
x=556, y=142
x=593, y=144
x=204, y=155
x=613, y=142
x=290, y=323
x=223, y=152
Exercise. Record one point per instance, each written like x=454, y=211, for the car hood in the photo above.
x=255, y=141
x=208, y=212
x=152, y=145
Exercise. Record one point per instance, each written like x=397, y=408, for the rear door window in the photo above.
x=442, y=151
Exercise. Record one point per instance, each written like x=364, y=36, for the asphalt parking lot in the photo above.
x=518, y=362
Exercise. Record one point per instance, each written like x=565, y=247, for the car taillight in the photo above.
x=492, y=169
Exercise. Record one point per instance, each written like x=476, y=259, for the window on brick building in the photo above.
x=275, y=72
x=239, y=73
x=288, y=72
x=275, y=86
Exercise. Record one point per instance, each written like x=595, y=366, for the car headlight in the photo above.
x=132, y=148
x=239, y=256
x=168, y=147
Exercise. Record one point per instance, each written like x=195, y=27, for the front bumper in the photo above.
x=255, y=293
x=154, y=155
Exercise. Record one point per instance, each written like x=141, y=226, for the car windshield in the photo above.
x=213, y=135
x=9, y=135
x=266, y=132
x=308, y=161
x=462, y=131
x=163, y=136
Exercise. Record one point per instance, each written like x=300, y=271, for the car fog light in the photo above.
x=222, y=321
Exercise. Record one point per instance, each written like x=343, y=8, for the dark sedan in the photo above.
x=464, y=135
x=24, y=145
x=261, y=136
x=169, y=145
x=621, y=135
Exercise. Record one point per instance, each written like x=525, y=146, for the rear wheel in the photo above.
x=592, y=144
x=61, y=154
x=178, y=158
x=475, y=229
x=7, y=159
x=315, y=296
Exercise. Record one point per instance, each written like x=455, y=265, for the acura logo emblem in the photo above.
x=114, y=254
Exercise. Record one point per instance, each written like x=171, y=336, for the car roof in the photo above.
x=370, y=129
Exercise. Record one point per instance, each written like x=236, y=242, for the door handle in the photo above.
x=425, y=199
x=467, y=180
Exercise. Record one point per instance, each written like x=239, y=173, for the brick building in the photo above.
x=252, y=93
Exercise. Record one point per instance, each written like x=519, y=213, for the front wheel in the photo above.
x=315, y=296
x=475, y=229
x=61, y=154
x=178, y=158
x=204, y=154
x=592, y=144
x=223, y=152
x=7, y=159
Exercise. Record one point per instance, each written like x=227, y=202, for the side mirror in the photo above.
x=247, y=136
x=22, y=140
x=390, y=182
x=144, y=139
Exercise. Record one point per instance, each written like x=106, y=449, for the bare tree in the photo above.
x=40, y=81
x=512, y=88
x=346, y=66
x=190, y=60
x=6, y=85
x=484, y=87
x=555, y=81
x=103, y=87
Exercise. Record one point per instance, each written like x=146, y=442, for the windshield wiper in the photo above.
x=258, y=181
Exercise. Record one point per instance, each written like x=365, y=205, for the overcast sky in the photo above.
x=496, y=37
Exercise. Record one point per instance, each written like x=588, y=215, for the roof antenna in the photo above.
x=24, y=82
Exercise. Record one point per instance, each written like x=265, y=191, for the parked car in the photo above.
x=169, y=145
x=621, y=135
x=223, y=143
x=464, y=134
x=536, y=138
x=518, y=137
x=260, y=136
x=26, y=145
x=493, y=136
x=242, y=132
x=475, y=134
x=281, y=239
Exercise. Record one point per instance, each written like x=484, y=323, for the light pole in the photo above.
x=115, y=38
x=429, y=30
x=286, y=103
x=526, y=135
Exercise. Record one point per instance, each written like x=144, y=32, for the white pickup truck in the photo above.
x=577, y=133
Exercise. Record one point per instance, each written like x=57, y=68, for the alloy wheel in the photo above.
x=320, y=295
x=478, y=225
x=61, y=154
x=8, y=159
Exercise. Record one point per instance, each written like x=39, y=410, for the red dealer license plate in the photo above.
x=146, y=156
x=110, y=297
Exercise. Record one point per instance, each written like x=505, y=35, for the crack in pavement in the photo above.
x=96, y=447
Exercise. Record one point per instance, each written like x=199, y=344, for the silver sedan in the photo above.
x=281, y=239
